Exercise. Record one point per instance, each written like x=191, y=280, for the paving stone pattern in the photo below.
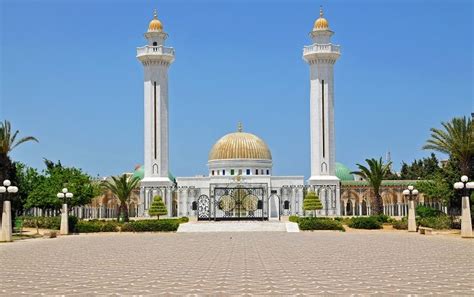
x=273, y=263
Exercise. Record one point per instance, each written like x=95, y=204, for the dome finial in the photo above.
x=155, y=14
x=239, y=127
x=321, y=11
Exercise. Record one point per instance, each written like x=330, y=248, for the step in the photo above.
x=192, y=227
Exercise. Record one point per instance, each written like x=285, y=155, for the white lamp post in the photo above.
x=6, y=189
x=466, y=225
x=64, y=212
x=411, y=194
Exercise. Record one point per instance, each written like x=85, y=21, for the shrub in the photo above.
x=439, y=222
x=382, y=218
x=400, y=225
x=184, y=219
x=157, y=207
x=72, y=222
x=293, y=219
x=427, y=212
x=166, y=225
x=88, y=226
x=365, y=223
x=53, y=223
x=97, y=226
x=313, y=223
x=344, y=221
x=311, y=202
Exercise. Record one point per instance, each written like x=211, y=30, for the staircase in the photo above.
x=240, y=226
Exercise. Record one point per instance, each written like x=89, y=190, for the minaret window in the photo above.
x=248, y=171
x=223, y=172
x=155, y=43
x=232, y=172
x=256, y=171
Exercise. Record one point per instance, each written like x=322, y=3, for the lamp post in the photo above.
x=6, y=189
x=466, y=225
x=411, y=194
x=64, y=213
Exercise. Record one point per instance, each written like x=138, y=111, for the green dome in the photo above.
x=343, y=173
x=140, y=173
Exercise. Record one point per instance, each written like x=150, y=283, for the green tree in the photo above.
x=455, y=139
x=122, y=188
x=421, y=169
x=157, y=207
x=374, y=174
x=56, y=177
x=311, y=202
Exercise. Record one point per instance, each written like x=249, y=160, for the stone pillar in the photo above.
x=399, y=209
x=6, y=234
x=64, y=221
x=184, y=197
x=293, y=201
x=411, y=216
x=169, y=201
x=300, y=201
x=360, y=209
x=466, y=225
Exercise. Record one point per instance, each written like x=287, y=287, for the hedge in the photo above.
x=97, y=226
x=400, y=225
x=313, y=223
x=53, y=223
x=293, y=219
x=440, y=222
x=365, y=223
x=166, y=225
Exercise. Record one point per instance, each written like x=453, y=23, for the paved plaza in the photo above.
x=265, y=263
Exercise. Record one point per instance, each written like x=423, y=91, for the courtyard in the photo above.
x=264, y=263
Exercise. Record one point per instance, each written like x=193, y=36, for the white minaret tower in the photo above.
x=156, y=58
x=321, y=57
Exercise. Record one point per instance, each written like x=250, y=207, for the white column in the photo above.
x=64, y=221
x=466, y=224
x=169, y=200
x=185, y=203
x=360, y=209
x=411, y=216
x=300, y=201
x=293, y=201
x=6, y=234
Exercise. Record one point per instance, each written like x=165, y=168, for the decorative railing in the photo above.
x=157, y=50
x=321, y=48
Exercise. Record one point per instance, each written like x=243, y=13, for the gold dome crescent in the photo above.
x=321, y=23
x=240, y=145
x=155, y=24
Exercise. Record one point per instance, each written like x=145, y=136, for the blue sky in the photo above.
x=69, y=76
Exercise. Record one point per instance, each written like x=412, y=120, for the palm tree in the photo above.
x=8, y=141
x=455, y=139
x=374, y=174
x=122, y=188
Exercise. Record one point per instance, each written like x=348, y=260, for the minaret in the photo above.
x=321, y=57
x=156, y=58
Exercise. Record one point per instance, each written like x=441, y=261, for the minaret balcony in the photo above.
x=157, y=53
x=321, y=51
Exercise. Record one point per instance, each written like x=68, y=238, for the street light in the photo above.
x=6, y=190
x=411, y=193
x=465, y=186
x=64, y=195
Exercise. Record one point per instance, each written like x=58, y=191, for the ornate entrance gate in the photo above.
x=234, y=202
x=204, y=207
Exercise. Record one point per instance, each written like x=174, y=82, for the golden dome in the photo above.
x=240, y=145
x=321, y=23
x=155, y=24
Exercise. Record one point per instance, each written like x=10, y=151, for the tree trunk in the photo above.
x=125, y=212
x=378, y=205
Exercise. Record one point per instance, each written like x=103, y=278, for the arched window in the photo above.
x=155, y=43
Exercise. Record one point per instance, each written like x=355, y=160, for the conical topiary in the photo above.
x=157, y=207
x=311, y=202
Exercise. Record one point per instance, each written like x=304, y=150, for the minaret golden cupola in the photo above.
x=321, y=23
x=155, y=24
